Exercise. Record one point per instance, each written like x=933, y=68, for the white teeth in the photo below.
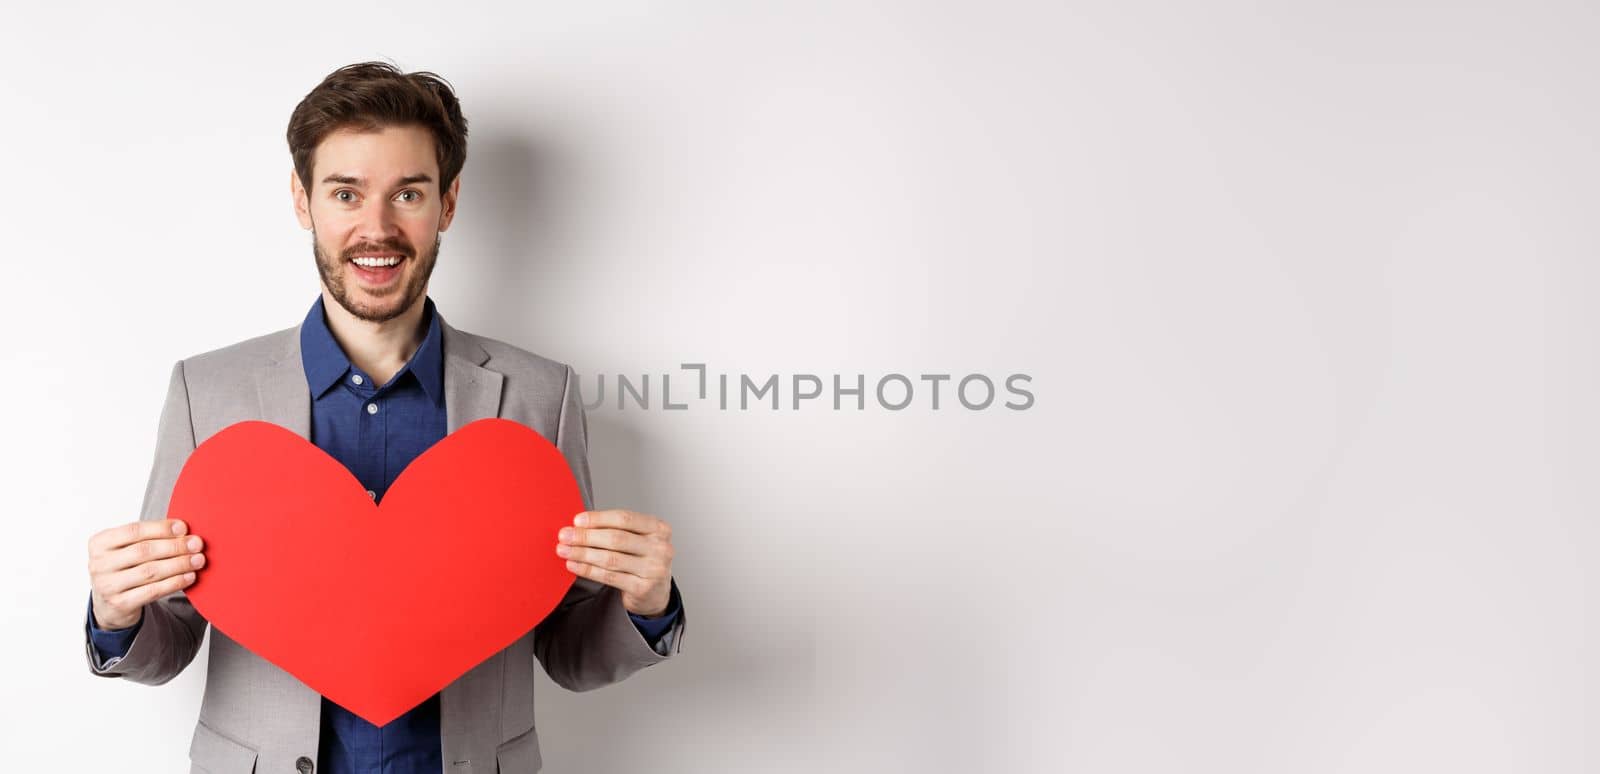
x=374, y=262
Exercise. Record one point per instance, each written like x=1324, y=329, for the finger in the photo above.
x=138, y=597
x=147, y=551
x=628, y=582
x=134, y=532
x=152, y=572
x=643, y=567
x=613, y=539
x=641, y=523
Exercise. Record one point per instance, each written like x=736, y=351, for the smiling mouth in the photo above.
x=377, y=269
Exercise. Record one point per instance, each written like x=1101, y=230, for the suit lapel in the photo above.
x=284, y=400
x=471, y=392
x=281, y=387
x=470, y=706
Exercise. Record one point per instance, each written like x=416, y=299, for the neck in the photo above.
x=380, y=349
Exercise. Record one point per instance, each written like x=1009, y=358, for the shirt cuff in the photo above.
x=110, y=644
x=653, y=628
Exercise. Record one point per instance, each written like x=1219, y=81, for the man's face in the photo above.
x=375, y=212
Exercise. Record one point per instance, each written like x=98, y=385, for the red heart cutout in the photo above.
x=377, y=606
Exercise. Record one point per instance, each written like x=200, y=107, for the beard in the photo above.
x=388, y=303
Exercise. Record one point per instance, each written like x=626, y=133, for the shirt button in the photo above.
x=372, y=408
x=303, y=765
x=372, y=494
x=357, y=378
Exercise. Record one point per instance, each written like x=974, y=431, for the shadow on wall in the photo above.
x=509, y=229
x=517, y=230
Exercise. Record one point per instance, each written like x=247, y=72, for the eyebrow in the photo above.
x=361, y=183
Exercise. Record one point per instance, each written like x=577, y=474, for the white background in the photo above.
x=1303, y=287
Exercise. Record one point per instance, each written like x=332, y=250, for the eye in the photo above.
x=415, y=195
x=345, y=195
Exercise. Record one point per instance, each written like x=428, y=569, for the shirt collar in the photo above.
x=325, y=361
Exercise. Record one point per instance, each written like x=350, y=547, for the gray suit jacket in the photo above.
x=255, y=716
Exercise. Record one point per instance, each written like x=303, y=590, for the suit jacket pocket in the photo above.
x=520, y=755
x=217, y=754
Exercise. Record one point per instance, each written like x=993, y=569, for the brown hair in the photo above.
x=369, y=96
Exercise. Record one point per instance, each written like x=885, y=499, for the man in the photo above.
x=374, y=376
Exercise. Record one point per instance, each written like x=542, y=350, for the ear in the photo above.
x=447, y=208
x=302, y=202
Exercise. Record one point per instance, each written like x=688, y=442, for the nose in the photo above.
x=377, y=222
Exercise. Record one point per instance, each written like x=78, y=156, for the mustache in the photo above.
x=395, y=245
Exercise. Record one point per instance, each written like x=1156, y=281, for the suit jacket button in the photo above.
x=303, y=765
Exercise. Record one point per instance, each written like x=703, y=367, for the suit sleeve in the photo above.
x=170, y=630
x=589, y=640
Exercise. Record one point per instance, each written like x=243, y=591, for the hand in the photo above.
x=629, y=551
x=135, y=564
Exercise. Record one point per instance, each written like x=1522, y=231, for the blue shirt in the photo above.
x=375, y=431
